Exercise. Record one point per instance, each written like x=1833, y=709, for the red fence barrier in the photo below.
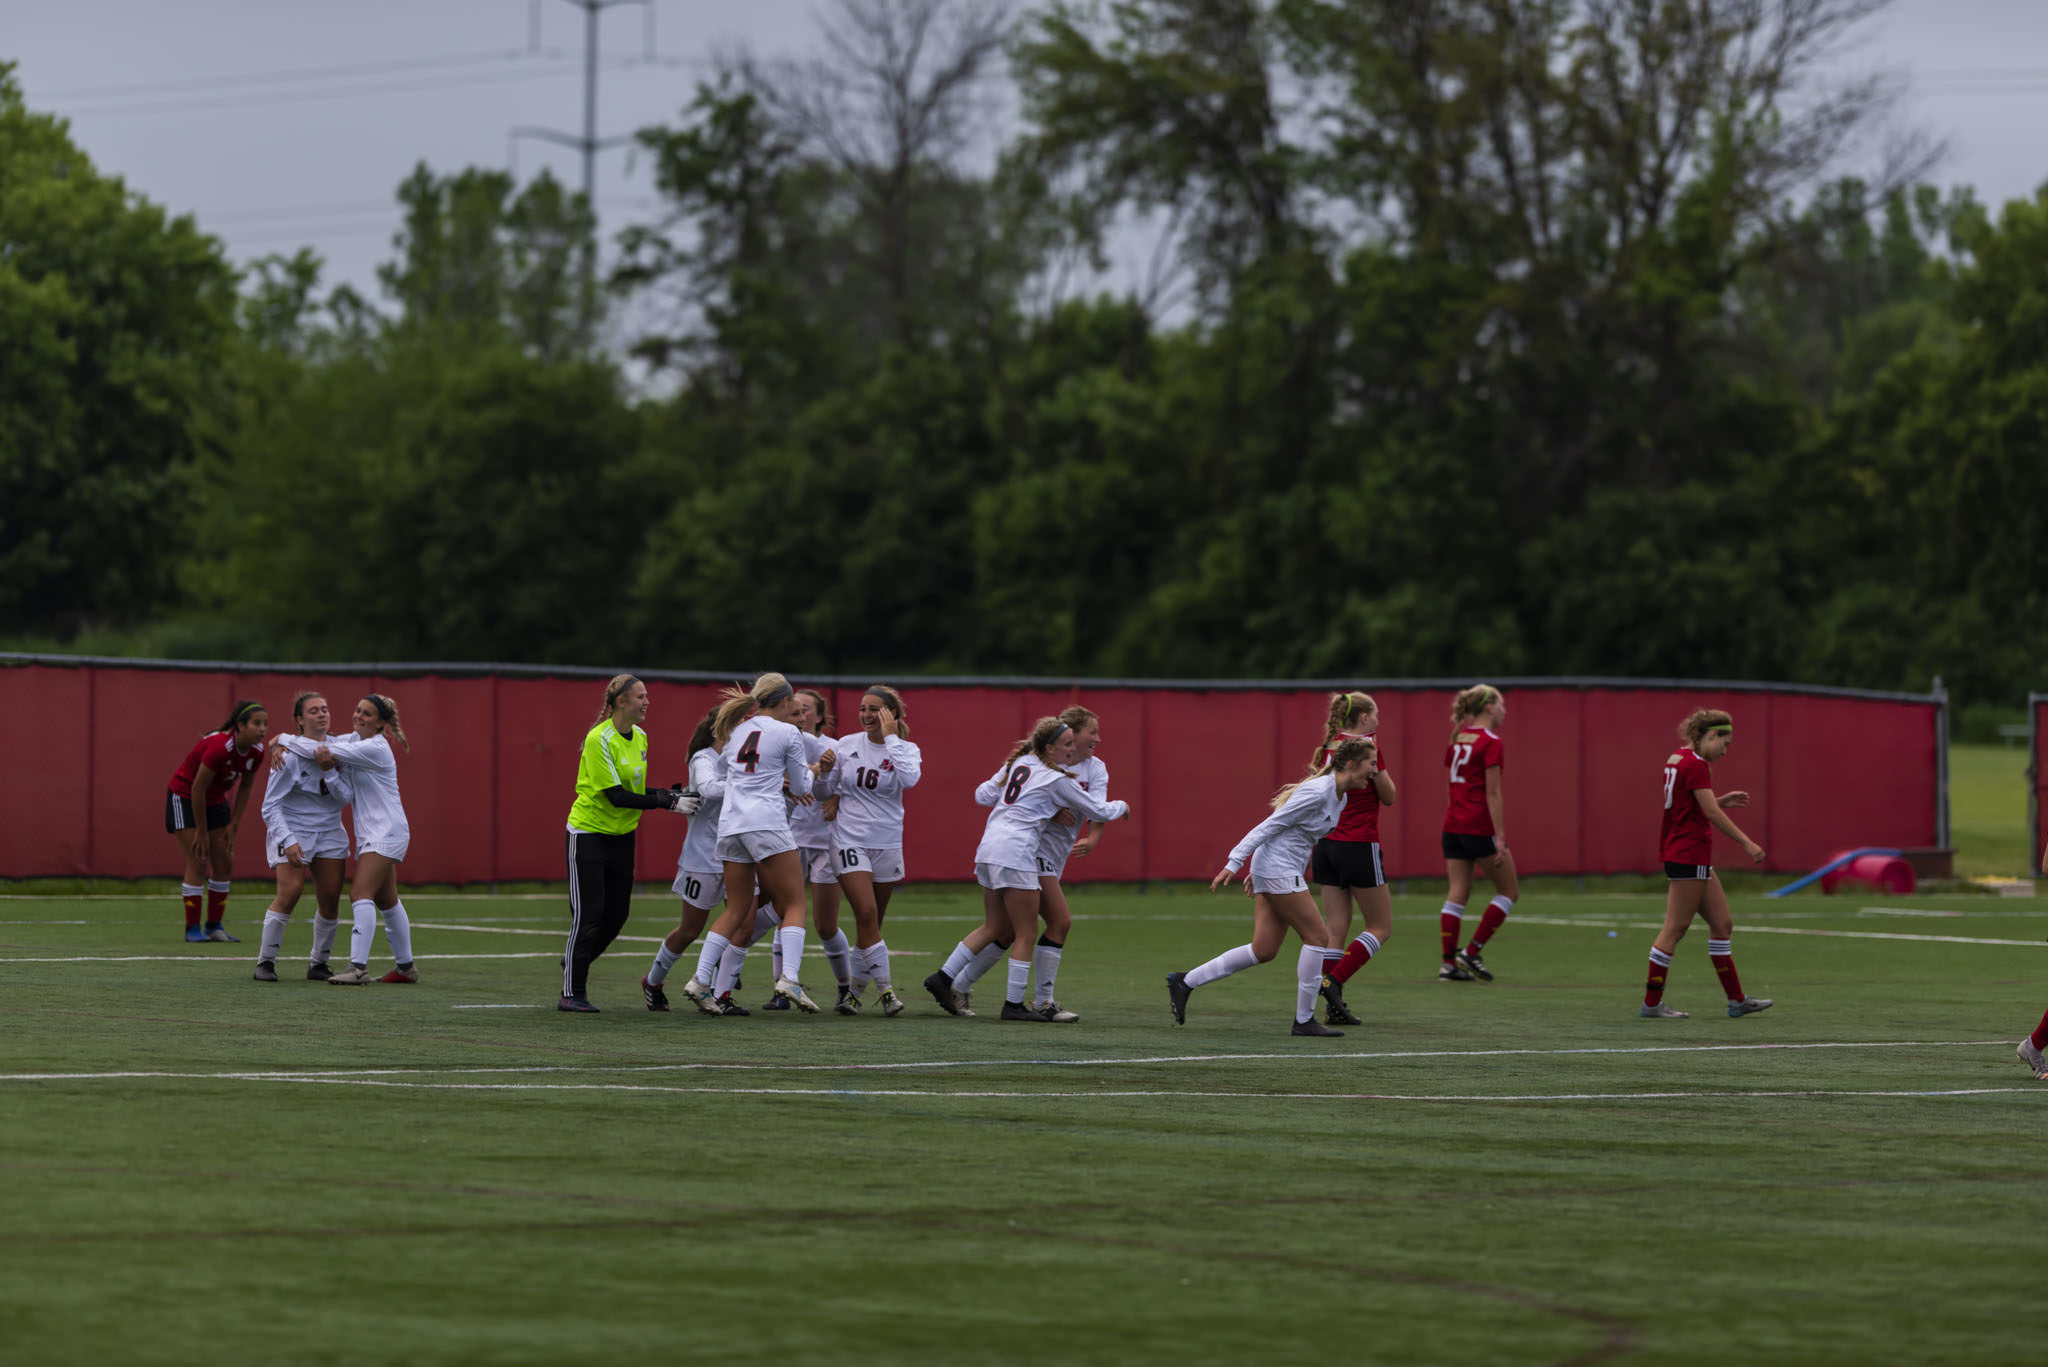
x=2037, y=775
x=488, y=782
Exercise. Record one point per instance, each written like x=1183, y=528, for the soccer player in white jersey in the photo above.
x=700, y=875
x=1035, y=787
x=814, y=849
x=304, y=841
x=764, y=757
x=875, y=766
x=382, y=836
x=982, y=947
x=1279, y=849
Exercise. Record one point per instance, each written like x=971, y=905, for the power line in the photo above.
x=248, y=101
x=292, y=74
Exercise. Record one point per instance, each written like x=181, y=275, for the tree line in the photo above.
x=1474, y=337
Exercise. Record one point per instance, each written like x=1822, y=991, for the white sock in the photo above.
x=1020, y=981
x=957, y=960
x=363, y=931
x=398, y=930
x=840, y=955
x=1502, y=904
x=1045, y=966
x=323, y=937
x=664, y=959
x=767, y=921
x=1223, y=965
x=709, y=957
x=984, y=959
x=729, y=966
x=790, y=939
x=1308, y=982
x=274, y=923
x=878, y=965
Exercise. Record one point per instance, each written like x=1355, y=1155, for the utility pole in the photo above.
x=590, y=144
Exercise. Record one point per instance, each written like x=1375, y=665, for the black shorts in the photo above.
x=1469, y=846
x=1688, y=873
x=179, y=816
x=1347, y=864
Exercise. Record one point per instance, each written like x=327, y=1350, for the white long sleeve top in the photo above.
x=1283, y=842
x=870, y=779
x=1025, y=803
x=373, y=770
x=301, y=800
x=759, y=755
x=700, y=845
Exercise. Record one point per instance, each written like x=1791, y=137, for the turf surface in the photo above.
x=1515, y=1172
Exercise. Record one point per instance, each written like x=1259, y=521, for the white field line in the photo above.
x=243, y=960
x=496, y=1006
x=936, y=1065
x=1906, y=911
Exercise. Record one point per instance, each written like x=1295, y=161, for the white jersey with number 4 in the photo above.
x=1025, y=801
x=759, y=756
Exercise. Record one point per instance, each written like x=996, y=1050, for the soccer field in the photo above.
x=200, y=1168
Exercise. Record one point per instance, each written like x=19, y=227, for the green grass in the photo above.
x=306, y=1174
x=1987, y=796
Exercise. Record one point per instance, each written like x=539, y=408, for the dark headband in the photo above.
x=385, y=712
x=774, y=696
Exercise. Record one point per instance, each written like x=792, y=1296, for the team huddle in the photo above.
x=788, y=825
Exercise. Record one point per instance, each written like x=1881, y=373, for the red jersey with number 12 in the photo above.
x=1361, y=818
x=1688, y=838
x=1469, y=755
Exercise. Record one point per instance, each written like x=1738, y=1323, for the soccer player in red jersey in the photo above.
x=1691, y=816
x=2031, y=1047
x=1475, y=830
x=196, y=812
x=1346, y=865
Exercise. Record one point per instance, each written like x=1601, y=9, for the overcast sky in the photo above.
x=281, y=123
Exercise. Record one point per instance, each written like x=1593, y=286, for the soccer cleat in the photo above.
x=266, y=972
x=1470, y=962
x=963, y=1003
x=1018, y=1011
x=1057, y=1014
x=219, y=935
x=1453, y=973
x=848, y=1003
x=775, y=1004
x=1333, y=996
x=405, y=974
x=194, y=935
x=580, y=1005
x=941, y=988
x=651, y=993
x=2033, y=1058
x=1748, y=1006
x=1177, y=994
x=355, y=975
x=1314, y=1027
x=696, y=991
x=726, y=1006
x=793, y=992
x=318, y=973
x=1662, y=1011
x=892, y=1005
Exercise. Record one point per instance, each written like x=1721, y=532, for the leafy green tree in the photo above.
x=115, y=320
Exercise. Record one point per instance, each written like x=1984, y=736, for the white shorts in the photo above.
x=752, y=847
x=391, y=849
x=703, y=891
x=996, y=876
x=320, y=845
x=884, y=866
x=1265, y=878
x=817, y=864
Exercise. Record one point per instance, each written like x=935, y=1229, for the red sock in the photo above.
x=1724, y=969
x=1653, y=990
x=1357, y=955
x=191, y=911
x=216, y=904
x=2040, y=1035
x=1449, y=922
x=1489, y=923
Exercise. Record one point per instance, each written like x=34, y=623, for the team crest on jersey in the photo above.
x=888, y=766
